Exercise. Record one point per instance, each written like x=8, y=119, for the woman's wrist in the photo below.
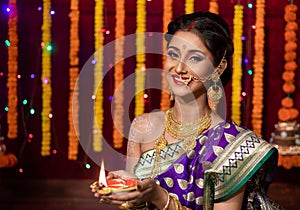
x=166, y=207
x=162, y=199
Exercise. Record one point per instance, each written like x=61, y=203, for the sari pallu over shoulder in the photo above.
x=239, y=164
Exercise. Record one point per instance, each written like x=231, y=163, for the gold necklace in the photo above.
x=182, y=130
x=188, y=132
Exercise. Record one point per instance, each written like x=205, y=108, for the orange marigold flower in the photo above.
x=293, y=113
x=288, y=76
x=290, y=36
x=287, y=102
x=291, y=26
x=290, y=46
x=290, y=56
x=290, y=66
x=283, y=114
x=291, y=8
x=288, y=88
x=290, y=16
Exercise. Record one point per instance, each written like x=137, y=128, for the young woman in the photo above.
x=189, y=157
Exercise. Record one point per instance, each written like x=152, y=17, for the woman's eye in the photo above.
x=173, y=54
x=196, y=59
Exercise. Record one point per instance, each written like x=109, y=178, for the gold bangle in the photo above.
x=178, y=205
x=168, y=201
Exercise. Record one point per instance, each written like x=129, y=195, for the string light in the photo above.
x=49, y=47
x=7, y=43
x=87, y=166
x=32, y=111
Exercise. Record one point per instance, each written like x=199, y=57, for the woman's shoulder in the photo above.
x=245, y=137
x=146, y=122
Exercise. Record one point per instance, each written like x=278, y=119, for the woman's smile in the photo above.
x=181, y=80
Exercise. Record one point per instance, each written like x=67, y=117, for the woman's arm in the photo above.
x=234, y=202
x=138, y=130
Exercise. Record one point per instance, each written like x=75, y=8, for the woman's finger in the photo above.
x=132, y=197
x=112, y=175
x=110, y=202
x=145, y=184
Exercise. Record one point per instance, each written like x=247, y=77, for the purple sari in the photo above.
x=225, y=158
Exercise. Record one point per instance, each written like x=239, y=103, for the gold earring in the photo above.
x=172, y=97
x=214, y=92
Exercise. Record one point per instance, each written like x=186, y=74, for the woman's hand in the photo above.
x=120, y=174
x=147, y=191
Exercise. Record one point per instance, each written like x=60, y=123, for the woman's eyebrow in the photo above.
x=192, y=51
x=197, y=51
x=173, y=47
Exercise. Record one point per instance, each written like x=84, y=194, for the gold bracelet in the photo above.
x=168, y=201
x=177, y=203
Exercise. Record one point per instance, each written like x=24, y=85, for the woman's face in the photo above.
x=188, y=60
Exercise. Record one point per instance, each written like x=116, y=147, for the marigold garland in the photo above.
x=8, y=160
x=214, y=6
x=237, y=65
x=288, y=161
x=73, y=75
x=140, y=57
x=165, y=102
x=258, y=69
x=46, y=80
x=287, y=112
x=98, y=76
x=12, y=65
x=189, y=6
x=118, y=127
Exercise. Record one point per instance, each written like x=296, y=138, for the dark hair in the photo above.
x=214, y=33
